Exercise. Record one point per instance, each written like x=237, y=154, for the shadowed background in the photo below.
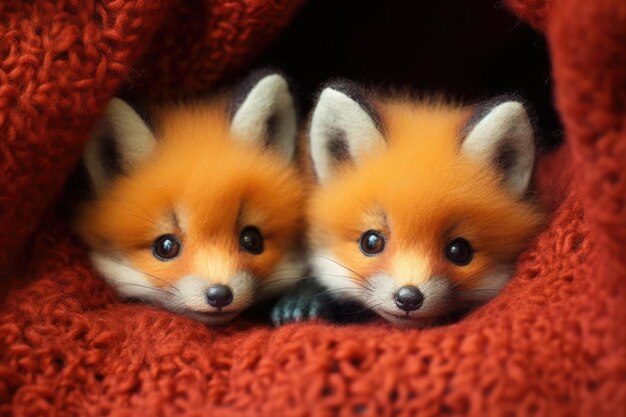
x=470, y=50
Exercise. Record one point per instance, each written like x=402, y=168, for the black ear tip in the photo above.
x=529, y=109
x=484, y=107
x=243, y=88
x=352, y=89
x=142, y=111
x=256, y=75
x=263, y=72
x=357, y=93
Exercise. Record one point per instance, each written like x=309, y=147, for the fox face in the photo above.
x=199, y=211
x=421, y=207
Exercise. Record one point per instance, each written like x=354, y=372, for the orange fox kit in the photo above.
x=422, y=206
x=200, y=210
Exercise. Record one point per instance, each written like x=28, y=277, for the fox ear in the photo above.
x=264, y=113
x=344, y=128
x=502, y=137
x=119, y=141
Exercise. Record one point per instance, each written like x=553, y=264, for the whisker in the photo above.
x=278, y=271
x=153, y=276
x=364, y=284
x=148, y=287
x=372, y=302
x=268, y=288
x=149, y=218
x=341, y=265
x=284, y=270
x=372, y=305
x=264, y=284
x=341, y=290
x=278, y=274
x=178, y=305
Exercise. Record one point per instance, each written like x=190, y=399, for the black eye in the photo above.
x=166, y=247
x=251, y=240
x=459, y=251
x=372, y=243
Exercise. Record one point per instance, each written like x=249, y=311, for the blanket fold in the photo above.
x=553, y=343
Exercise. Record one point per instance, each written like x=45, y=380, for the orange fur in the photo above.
x=202, y=186
x=420, y=193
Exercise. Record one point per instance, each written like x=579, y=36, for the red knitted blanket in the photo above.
x=553, y=344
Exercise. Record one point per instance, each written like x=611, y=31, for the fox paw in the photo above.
x=305, y=301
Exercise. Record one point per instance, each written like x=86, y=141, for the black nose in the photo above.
x=409, y=298
x=219, y=296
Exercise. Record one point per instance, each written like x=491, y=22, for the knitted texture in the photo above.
x=230, y=32
x=59, y=63
x=552, y=344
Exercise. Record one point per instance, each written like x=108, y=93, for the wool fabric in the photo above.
x=552, y=344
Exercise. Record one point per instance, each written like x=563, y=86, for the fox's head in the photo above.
x=421, y=208
x=198, y=210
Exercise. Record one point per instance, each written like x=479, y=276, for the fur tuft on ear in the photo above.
x=265, y=114
x=502, y=136
x=344, y=128
x=119, y=141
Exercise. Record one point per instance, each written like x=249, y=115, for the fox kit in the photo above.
x=198, y=210
x=422, y=206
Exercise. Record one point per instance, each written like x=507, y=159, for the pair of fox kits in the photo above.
x=414, y=209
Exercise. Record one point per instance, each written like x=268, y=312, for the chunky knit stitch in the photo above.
x=553, y=344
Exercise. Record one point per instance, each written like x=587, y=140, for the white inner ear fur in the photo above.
x=269, y=101
x=338, y=117
x=134, y=141
x=506, y=127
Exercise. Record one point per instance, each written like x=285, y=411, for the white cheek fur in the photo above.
x=290, y=269
x=381, y=289
x=192, y=293
x=436, y=291
x=187, y=296
x=489, y=285
x=336, y=278
x=128, y=282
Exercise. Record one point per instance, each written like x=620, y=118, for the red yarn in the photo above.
x=553, y=344
x=60, y=61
